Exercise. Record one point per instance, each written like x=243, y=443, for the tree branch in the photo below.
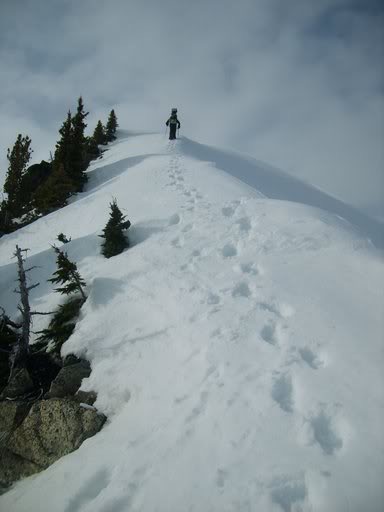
x=32, y=286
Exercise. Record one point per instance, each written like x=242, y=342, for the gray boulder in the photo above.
x=12, y=415
x=68, y=380
x=86, y=397
x=13, y=467
x=54, y=428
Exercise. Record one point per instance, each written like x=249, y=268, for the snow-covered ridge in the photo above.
x=236, y=346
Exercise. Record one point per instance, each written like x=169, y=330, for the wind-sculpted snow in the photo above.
x=236, y=346
x=276, y=184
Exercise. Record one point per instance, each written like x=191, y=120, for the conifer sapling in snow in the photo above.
x=111, y=127
x=99, y=134
x=113, y=233
x=67, y=275
x=63, y=239
x=64, y=319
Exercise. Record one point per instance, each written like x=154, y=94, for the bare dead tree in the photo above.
x=22, y=349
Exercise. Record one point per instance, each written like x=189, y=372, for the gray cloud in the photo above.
x=298, y=84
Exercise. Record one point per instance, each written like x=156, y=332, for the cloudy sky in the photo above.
x=296, y=83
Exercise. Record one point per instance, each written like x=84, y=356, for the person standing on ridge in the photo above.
x=173, y=123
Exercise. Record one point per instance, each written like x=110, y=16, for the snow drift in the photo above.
x=236, y=347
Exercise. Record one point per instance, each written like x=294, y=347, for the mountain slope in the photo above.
x=236, y=346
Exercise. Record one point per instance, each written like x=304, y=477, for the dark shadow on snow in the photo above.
x=102, y=175
x=140, y=231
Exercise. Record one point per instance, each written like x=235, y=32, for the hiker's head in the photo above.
x=174, y=111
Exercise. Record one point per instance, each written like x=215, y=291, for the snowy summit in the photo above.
x=236, y=347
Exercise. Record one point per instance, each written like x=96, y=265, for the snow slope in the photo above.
x=237, y=346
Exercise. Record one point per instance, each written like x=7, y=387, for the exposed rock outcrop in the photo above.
x=69, y=379
x=86, y=397
x=35, y=432
x=50, y=429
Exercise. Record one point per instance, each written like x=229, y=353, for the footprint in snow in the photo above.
x=174, y=219
x=228, y=211
x=213, y=299
x=270, y=333
x=250, y=268
x=309, y=357
x=228, y=251
x=244, y=224
x=323, y=428
x=280, y=310
x=290, y=493
x=282, y=392
x=187, y=228
x=241, y=290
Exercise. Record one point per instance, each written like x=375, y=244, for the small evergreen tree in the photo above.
x=63, y=239
x=111, y=127
x=18, y=159
x=67, y=275
x=64, y=319
x=61, y=325
x=99, y=134
x=115, y=241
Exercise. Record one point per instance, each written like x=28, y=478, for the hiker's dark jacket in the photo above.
x=173, y=123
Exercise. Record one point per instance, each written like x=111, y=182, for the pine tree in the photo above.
x=72, y=148
x=63, y=322
x=115, y=241
x=67, y=275
x=54, y=192
x=79, y=148
x=111, y=127
x=18, y=159
x=99, y=134
x=64, y=145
